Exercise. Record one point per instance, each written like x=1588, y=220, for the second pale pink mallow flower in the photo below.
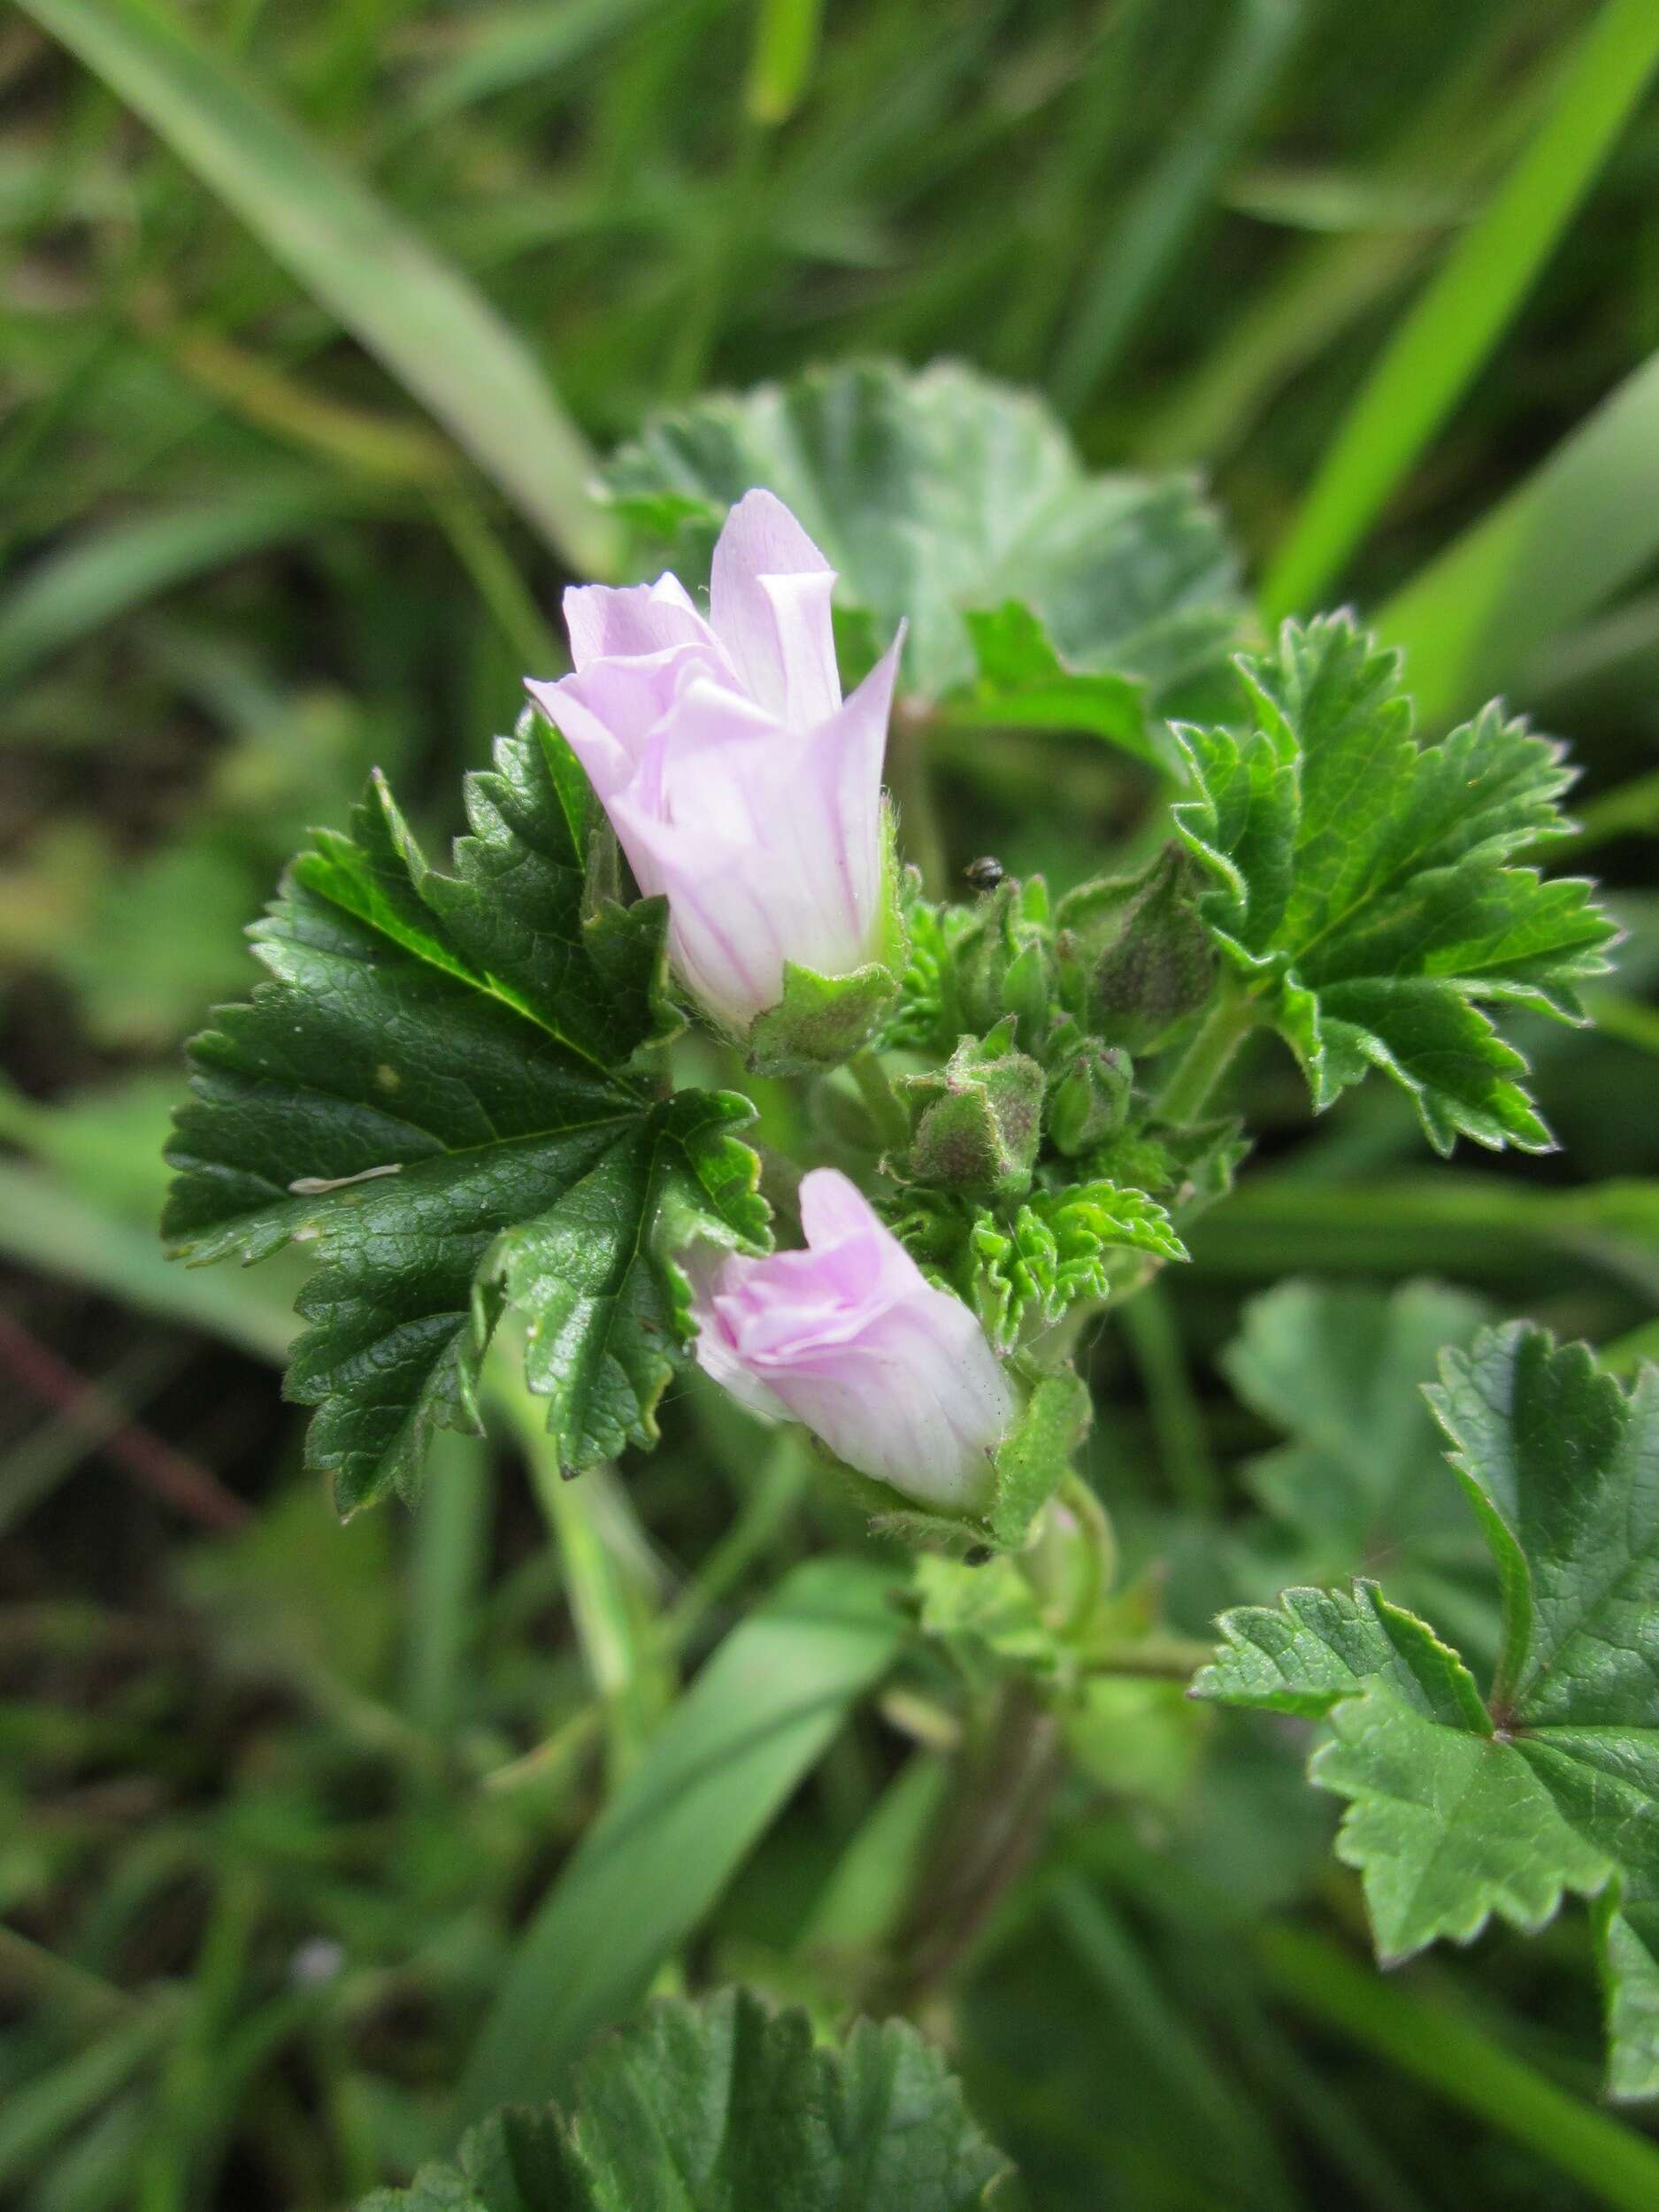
x=738, y=782
x=851, y=1338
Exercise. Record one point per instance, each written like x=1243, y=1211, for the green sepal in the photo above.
x=1035, y=1456
x=1029, y=1465
x=820, y=1021
x=977, y=1122
x=1089, y=1088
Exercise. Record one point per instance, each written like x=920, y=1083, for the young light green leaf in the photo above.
x=1023, y=1269
x=1365, y=889
x=726, y=2107
x=941, y=494
x=1461, y=1809
x=1021, y=682
x=435, y=1093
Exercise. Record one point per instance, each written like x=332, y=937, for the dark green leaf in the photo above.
x=438, y=1060
x=1365, y=888
x=1447, y=1826
x=726, y=2107
x=1315, y=1647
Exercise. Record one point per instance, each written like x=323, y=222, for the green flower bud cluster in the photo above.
x=1035, y=1176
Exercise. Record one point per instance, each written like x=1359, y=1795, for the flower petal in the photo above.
x=768, y=605
x=607, y=711
x=606, y=623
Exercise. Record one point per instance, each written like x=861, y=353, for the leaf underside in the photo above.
x=1460, y=1807
x=436, y=1091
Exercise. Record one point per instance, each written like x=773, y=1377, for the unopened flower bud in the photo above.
x=1088, y=1097
x=977, y=1122
x=851, y=1338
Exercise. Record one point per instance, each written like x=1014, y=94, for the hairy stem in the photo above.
x=990, y=1825
x=1166, y=1658
x=891, y=1123
x=1207, y=1059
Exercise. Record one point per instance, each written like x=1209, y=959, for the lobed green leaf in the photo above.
x=1461, y=1808
x=726, y=2107
x=1365, y=888
x=438, y=1091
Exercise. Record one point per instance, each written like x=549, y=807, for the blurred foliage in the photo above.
x=277, y=1797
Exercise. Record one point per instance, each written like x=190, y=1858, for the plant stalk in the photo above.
x=1207, y=1059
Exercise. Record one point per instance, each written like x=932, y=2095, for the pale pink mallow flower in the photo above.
x=850, y=1337
x=738, y=782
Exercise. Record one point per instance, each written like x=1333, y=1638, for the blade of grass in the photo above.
x=785, y=46
x=1450, y=146
x=446, y=1567
x=610, y=1610
x=512, y=46
x=40, y=2112
x=860, y=1904
x=1476, y=1226
x=1178, y=1421
x=753, y=1725
x=1626, y=1352
x=1583, y=524
x=1138, y=254
x=46, y=1226
x=94, y=578
x=1424, y=2038
x=419, y=315
x=1440, y=348
x=1142, y=2005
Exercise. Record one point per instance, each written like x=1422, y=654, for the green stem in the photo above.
x=1206, y=1060
x=892, y=1123
x=1165, y=1658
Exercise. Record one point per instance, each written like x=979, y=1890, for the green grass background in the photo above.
x=313, y=314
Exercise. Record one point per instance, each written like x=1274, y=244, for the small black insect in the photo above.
x=985, y=873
